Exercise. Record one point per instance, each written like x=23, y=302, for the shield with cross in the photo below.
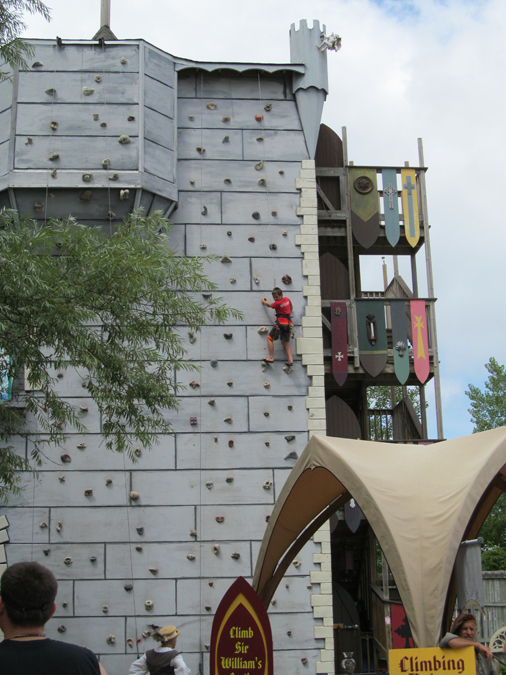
x=410, y=206
x=391, y=206
x=420, y=339
x=339, y=326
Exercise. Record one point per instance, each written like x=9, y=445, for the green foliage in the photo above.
x=493, y=530
x=493, y=559
x=379, y=398
x=488, y=408
x=13, y=50
x=113, y=306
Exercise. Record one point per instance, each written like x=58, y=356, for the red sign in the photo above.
x=420, y=339
x=241, y=638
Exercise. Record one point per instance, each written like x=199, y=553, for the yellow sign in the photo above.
x=430, y=661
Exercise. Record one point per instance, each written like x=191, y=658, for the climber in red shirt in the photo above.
x=283, y=325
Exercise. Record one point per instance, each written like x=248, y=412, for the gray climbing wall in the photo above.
x=160, y=541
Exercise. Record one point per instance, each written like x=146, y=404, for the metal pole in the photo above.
x=105, y=13
x=430, y=288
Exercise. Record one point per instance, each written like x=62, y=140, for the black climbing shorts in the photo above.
x=283, y=331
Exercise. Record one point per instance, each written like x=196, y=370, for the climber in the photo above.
x=283, y=326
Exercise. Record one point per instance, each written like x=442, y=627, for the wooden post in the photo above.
x=414, y=278
x=105, y=13
x=430, y=289
x=423, y=411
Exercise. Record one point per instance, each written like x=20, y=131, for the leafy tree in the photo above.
x=13, y=50
x=379, y=398
x=488, y=408
x=113, y=305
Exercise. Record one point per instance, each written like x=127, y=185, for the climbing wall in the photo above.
x=161, y=540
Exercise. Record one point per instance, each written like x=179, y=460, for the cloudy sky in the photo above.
x=433, y=69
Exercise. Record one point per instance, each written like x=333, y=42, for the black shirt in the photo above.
x=46, y=657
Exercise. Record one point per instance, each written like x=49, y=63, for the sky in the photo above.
x=430, y=69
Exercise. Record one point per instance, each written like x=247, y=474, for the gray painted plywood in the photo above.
x=242, y=115
x=114, y=88
x=210, y=344
x=257, y=348
x=238, y=208
x=159, y=66
x=270, y=272
x=62, y=203
x=234, y=276
x=5, y=125
x=92, y=417
x=90, y=597
x=76, y=153
x=280, y=418
x=244, y=176
x=4, y=158
x=305, y=557
x=191, y=487
x=24, y=525
x=159, y=160
x=211, y=418
x=91, y=634
x=6, y=94
x=191, y=206
x=277, y=145
x=249, y=450
x=258, y=87
x=65, y=595
x=159, y=96
x=80, y=568
x=33, y=119
x=193, y=597
x=217, y=240
x=158, y=128
x=232, y=528
x=212, y=140
x=191, y=628
x=297, y=625
x=81, y=57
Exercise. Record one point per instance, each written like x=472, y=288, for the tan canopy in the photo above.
x=421, y=501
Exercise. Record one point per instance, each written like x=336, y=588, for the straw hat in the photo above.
x=169, y=633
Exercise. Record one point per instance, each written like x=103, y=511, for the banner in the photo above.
x=391, y=206
x=372, y=335
x=364, y=199
x=400, y=339
x=420, y=339
x=410, y=206
x=339, y=326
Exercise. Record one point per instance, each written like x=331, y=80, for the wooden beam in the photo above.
x=325, y=199
x=105, y=13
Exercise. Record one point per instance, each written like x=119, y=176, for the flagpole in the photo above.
x=105, y=13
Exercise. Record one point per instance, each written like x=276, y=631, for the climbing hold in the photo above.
x=61, y=479
x=225, y=259
x=192, y=181
x=153, y=570
x=68, y=560
x=200, y=150
x=194, y=384
x=304, y=660
x=251, y=239
x=228, y=420
x=267, y=485
x=267, y=518
x=226, y=139
x=103, y=124
x=38, y=207
x=140, y=530
x=309, y=586
x=29, y=141
x=130, y=642
x=88, y=492
x=131, y=118
x=111, y=215
x=228, y=181
x=232, y=280
x=128, y=587
x=191, y=118
x=88, y=91
x=93, y=558
x=209, y=485
x=262, y=330
x=65, y=458
x=53, y=173
x=281, y=172
x=98, y=78
x=193, y=533
x=286, y=279
x=190, y=556
x=292, y=455
x=87, y=177
x=37, y=64
x=139, y=549
x=228, y=336
x=123, y=60
x=54, y=157
x=255, y=215
x=51, y=91
x=288, y=439
x=261, y=181
x=235, y=555
x=59, y=526
x=211, y=106
x=256, y=280
x=259, y=118
x=204, y=211
x=54, y=125
x=268, y=107
x=64, y=604
x=216, y=549
x=206, y=646
x=267, y=443
x=193, y=421
x=95, y=116
x=266, y=414
x=211, y=401
x=273, y=247
x=105, y=609
x=86, y=196
x=106, y=163
x=134, y=496
x=191, y=337
x=207, y=296
x=231, y=444
x=274, y=601
x=214, y=363
x=289, y=633
x=42, y=525
x=259, y=165
x=110, y=639
x=124, y=194
x=284, y=233
x=138, y=452
x=220, y=519
x=287, y=369
x=229, y=479
x=260, y=139
x=81, y=446
x=124, y=139
x=61, y=629
x=108, y=481
x=225, y=118
x=267, y=385
x=82, y=408
x=203, y=246
x=113, y=176
x=274, y=213
x=297, y=563
x=230, y=384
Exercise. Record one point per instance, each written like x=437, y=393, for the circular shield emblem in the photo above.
x=337, y=311
x=363, y=184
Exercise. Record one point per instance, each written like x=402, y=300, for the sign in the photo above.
x=339, y=326
x=241, y=638
x=420, y=339
x=432, y=661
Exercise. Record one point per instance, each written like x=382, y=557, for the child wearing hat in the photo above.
x=164, y=659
